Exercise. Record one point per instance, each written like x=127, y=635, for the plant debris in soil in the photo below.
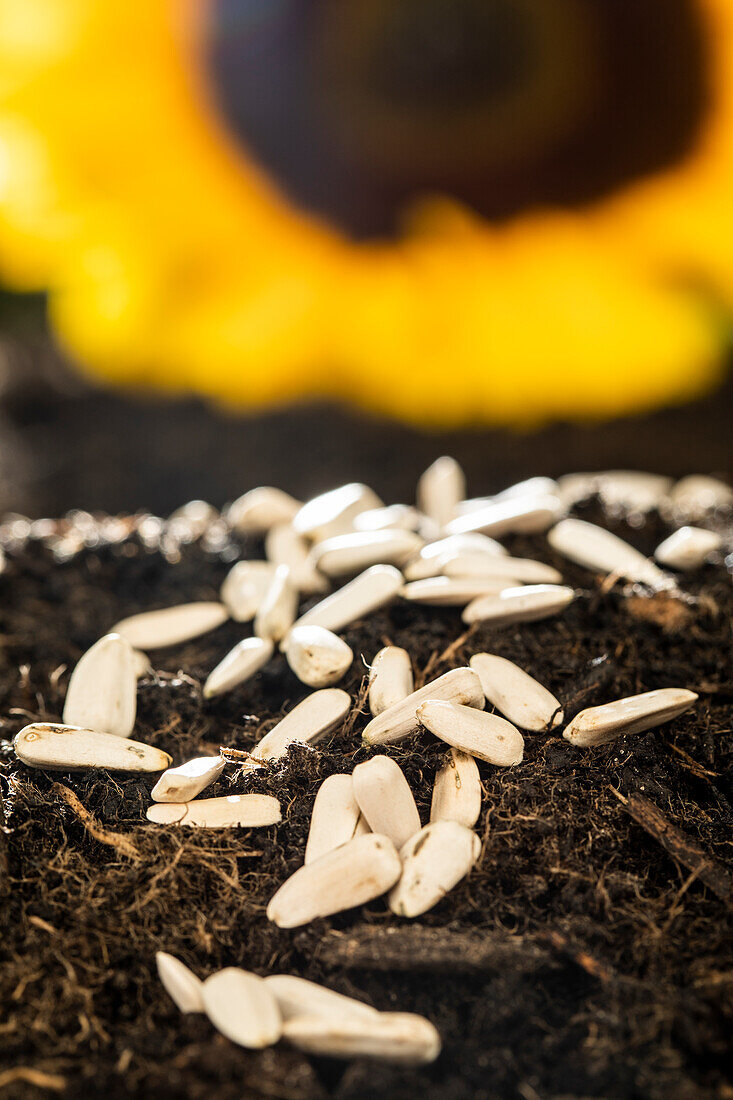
x=588, y=954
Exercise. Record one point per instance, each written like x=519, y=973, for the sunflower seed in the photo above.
x=348, y=876
x=141, y=663
x=299, y=997
x=333, y=513
x=385, y=799
x=284, y=546
x=241, y=1006
x=366, y=593
x=180, y=983
x=308, y=723
x=334, y=817
x=597, y=549
x=195, y=516
x=457, y=790
x=240, y=664
x=171, y=625
x=440, y=489
x=351, y=553
x=688, y=548
x=402, y=516
x=276, y=613
x=250, y=811
x=61, y=748
x=619, y=490
x=516, y=515
x=511, y=690
x=102, y=692
x=460, y=685
x=390, y=678
x=696, y=495
x=245, y=587
x=317, y=656
x=433, y=861
x=636, y=713
x=452, y=591
x=429, y=561
x=391, y=1036
x=257, y=511
x=532, y=487
x=519, y=605
x=183, y=783
x=519, y=570
x=477, y=732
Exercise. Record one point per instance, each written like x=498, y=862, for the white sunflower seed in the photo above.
x=317, y=656
x=250, y=811
x=440, y=489
x=390, y=678
x=519, y=570
x=245, y=587
x=516, y=694
x=180, y=983
x=348, y=876
x=533, y=486
x=452, y=591
x=333, y=513
x=457, y=790
x=183, y=783
x=385, y=799
x=619, y=490
x=171, y=625
x=141, y=663
x=460, y=685
x=58, y=747
x=276, y=613
x=597, y=549
x=636, y=713
x=476, y=732
x=334, y=817
x=515, y=515
x=284, y=546
x=309, y=722
x=429, y=561
x=257, y=511
x=433, y=861
x=696, y=495
x=366, y=593
x=240, y=664
x=391, y=1036
x=241, y=1006
x=402, y=516
x=688, y=548
x=299, y=997
x=519, y=605
x=102, y=692
x=356, y=551
x=195, y=516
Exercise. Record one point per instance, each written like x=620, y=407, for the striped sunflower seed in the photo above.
x=390, y=678
x=519, y=605
x=245, y=587
x=636, y=713
x=477, y=732
x=299, y=997
x=102, y=692
x=460, y=685
x=688, y=548
x=284, y=546
x=440, y=489
x=457, y=790
x=385, y=799
x=240, y=664
x=372, y=589
x=241, y=1006
x=276, y=614
x=69, y=748
x=516, y=694
x=309, y=722
x=515, y=515
x=433, y=861
x=697, y=495
x=452, y=591
x=183, y=783
x=518, y=570
x=171, y=625
x=597, y=549
x=180, y=983
x=429, y=562
x=255, y=512
x=352, y=553
x=351, y=875
x=334, y=818
x=391, y=1036
x=334, y=512
x=250, y=811
x=317, y=656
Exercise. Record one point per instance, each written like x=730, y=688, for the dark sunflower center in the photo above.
x=359, y=107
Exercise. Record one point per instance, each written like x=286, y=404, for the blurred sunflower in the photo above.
x=449, y=210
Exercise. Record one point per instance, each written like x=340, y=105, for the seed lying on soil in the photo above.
x=257, y=511
x=276, y=613
x=183, y=783
x=385, y=799
x=429, y=562
x=180, y=983
x=240, y=664
x=391, y=1036
x=57, y=747
x=636, y=713
x=457, y=790
x=393, y=515
x=308, y=722
x=102, y=692
x=619, y=490
x=452, y=591
x=251, y=811
x=515, y=693
x=518, y=570
x=595, y=548
x=519, y=605
x=440, y=489
x=241, y=1006
x=171, y=625
x=461, y=685
x=390, y=678
x=372, y=589
x=356, y=551
x=284, y=546
x=317, y=656
x=687, y=548
x=477, y=732
x=348, y=876
x=245, y=587
x=334, y=818
x=696, y=495
x=433, y=861
x=515, y=515
x=333, y=513
x=299, y=997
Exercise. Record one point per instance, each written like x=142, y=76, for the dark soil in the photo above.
x=579, y=959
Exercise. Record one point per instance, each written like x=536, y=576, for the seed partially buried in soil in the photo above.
x=392, y=1037
x=309, y=722
x=180, y=983
x=299, y=997
x=70, y=748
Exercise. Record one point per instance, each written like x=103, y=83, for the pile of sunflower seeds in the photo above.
x=366, y=838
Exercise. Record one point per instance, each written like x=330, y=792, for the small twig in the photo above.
x=34, y=1077
x=105, y=836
